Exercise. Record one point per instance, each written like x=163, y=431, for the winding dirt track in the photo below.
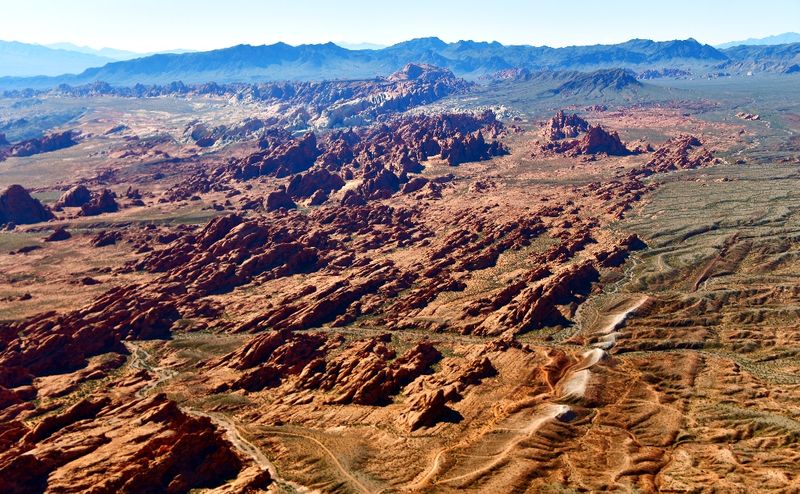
x=246, y=447
x=573, y=386
x=336, y=461
x=139, y=358
x=419, y=484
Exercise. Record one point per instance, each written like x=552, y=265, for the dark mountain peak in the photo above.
x=680, y=48
x=615, y=79
x=469, y=44
x=638, y=42
x=324, y=46
x=429, y=43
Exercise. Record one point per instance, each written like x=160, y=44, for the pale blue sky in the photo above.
x=149, y=25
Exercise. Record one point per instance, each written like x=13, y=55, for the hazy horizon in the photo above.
x=350, y=45
x=151, y=26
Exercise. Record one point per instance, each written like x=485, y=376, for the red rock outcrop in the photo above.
x=326, y=304
x=682, y=152
x=75, y=197
x=429, y=397
x=288, y=158
x=378, y=183
x=58, y=235
x=382, y=156
x=53, y=343
x=596, y=140
x=18, y=207
x=148, y=445
x=471, y=147
x=365, y=374
x=563, y=126
x=279, y=199
x=229, y=252
x=271, y=357
x=538, y=306
x=105, y=238
x=616, y=254
x=414, y=185
x=46, y=144
x=317, y=198
x=103, y=202
x=562, y=130
x=321, y=180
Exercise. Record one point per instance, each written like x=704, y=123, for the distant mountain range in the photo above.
x=778, y=39
x=468, y=59
x=111, y=53
x=27, y=60
x=764, y=58
x=22, y=59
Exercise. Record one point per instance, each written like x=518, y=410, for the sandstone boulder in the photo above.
x=17, y=206
x=58, y=235
x=103, y=202
x=75, y=197
x=279, y=199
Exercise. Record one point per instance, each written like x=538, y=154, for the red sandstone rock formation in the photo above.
x=46, y=144
x=306, y=184
x=317, y=198
x=58, y=235
x=560, y=133
x=75, y=197
x=682, y=152
x=148, y=445
x=538, y=305
x=429, y=397
x=292, y=157
x=52, y=343
x=106, y=238
x=364, y=373
x=472, y=147
x=382, y=157
x=563, y=126
x=596, y=140
x=279, y=199
x=103, y=202
x=415, y=184
x=272, y=357
x=17, y=206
